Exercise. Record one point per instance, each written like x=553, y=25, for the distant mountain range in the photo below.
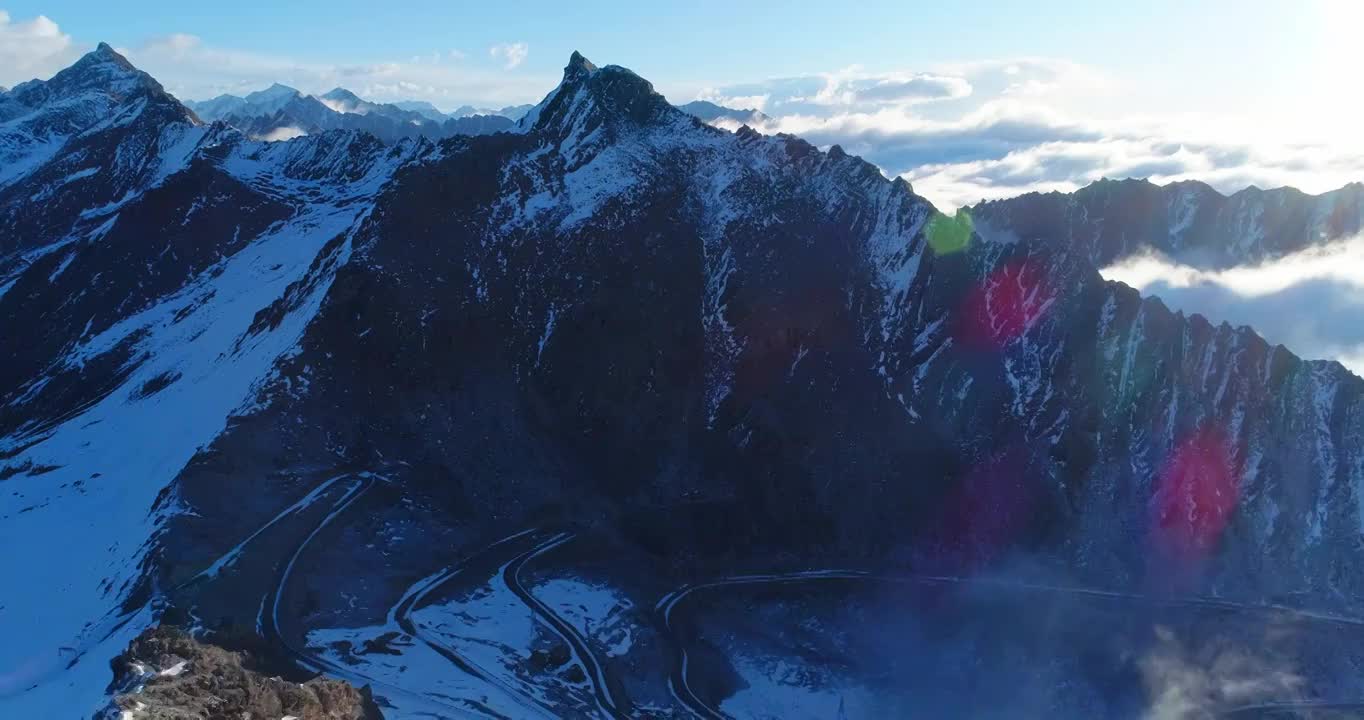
x=1191, y=222
x=280, y=112
x=277, y=97
x=710, y=112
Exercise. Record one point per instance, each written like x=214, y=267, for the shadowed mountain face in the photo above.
x=1257, y=257
x=1188, y=221
x=299, y=389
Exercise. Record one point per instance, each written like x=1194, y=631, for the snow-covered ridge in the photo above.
x=40, y=118
x=1112, y=220
x=86, y=492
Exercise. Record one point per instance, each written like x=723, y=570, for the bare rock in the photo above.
x=166, y=674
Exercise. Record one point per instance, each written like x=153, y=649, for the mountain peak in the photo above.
x=341, y=94
x=344, y=101
x=105, y=62
x=277, y=89
x=578, y=65
x=272, y=98
x=590, y=96
x=101, y=71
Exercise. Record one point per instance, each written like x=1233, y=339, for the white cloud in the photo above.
x=1341, y=262
x=1063, y=81
x=1270, y=297
x=284, y=133
x=511, y=54
x=950, y=159
x=192, y=69
x=976, y=131
x=1186, y=678
x=848, y=89
x=1068, y=164
x=893, y=89
x=340, y=106
x=34, y=48
x=737, y=102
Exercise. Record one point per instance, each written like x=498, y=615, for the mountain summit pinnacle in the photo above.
x=106, y=55
x=100, y=72
x=589, y=97
x=578, y=66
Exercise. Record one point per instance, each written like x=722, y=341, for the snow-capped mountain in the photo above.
x=487, y=423
x=423, y=108
x=710, y=112
x=511, y=112
x=345, y=101
x=96, y=132
x=272, y=99
x=280, y=112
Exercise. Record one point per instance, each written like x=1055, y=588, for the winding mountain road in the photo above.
x=606, y=695
x=270, y=618
x=603, y=689
x=678, y=681
x=268, y=623
x=400, y=615
x=1286, y=710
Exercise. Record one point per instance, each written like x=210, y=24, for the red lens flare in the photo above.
x=1195, y=495
x=1004, y=306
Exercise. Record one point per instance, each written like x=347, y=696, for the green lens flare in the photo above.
x=947, y=234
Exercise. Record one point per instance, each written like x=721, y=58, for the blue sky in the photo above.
x=705, y=41
x=965, y=100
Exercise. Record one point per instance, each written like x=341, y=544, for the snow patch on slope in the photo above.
x=85, y=519
x=597, y=611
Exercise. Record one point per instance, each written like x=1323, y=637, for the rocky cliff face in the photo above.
x=281, y=387
x=166, y=674
x=1285, y=427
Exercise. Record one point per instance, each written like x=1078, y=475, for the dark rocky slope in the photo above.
x=168, y=675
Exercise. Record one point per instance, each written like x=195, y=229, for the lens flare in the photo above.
x=947, y=235
x=1195, y=495
x=1004, y=306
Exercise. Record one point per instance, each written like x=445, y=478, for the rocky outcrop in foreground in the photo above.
x=166, y=674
